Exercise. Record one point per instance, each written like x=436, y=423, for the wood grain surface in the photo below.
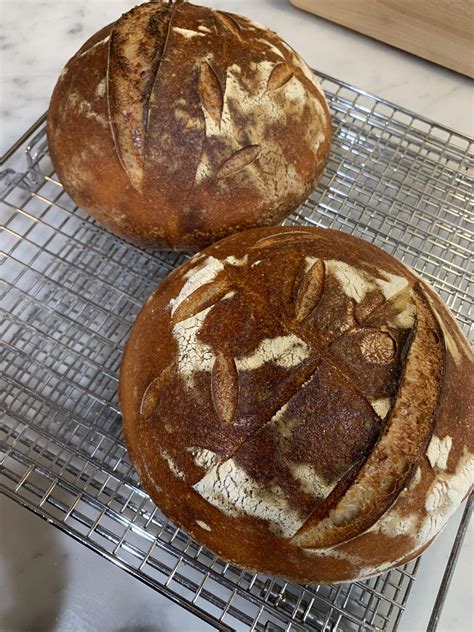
x=441, y=31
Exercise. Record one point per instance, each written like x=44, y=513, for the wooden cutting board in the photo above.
x=439, y=30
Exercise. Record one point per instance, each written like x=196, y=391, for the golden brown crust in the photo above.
x=319, y=449
x=178, y=125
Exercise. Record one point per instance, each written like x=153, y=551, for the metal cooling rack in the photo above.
x=70, y=292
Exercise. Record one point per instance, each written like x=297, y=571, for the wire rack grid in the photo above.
x=70, y=292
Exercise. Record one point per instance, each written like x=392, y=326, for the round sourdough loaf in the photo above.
x=177, y=125
x=300, y=403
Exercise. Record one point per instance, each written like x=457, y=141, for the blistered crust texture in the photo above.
x=178, y=124
x=301, y=403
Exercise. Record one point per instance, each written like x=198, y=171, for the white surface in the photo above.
x=47, y=580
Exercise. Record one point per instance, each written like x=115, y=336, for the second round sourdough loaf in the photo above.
x=300, y=403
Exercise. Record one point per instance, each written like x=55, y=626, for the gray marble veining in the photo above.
x=38, y=37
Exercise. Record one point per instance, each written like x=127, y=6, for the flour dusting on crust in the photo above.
x=438, y=451
x=284, y=351
x=356, y=283
x=229, y=488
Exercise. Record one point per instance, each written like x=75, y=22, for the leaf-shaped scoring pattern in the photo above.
x=281, y=239
x=203, y=297
x=310, y=290
x=228, y=22
x=152, y=393
x=210, y=90
x=238, y=161
x=225, y=386
x=279, y=76
x=378, y=347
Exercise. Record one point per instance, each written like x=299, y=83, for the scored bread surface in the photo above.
x=300, y=402
x=179, y=124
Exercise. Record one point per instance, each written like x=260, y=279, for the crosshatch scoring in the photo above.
x=70, y=292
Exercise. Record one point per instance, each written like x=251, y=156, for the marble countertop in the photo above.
x=47, y=580
x=39, y=36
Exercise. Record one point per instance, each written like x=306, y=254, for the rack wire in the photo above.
x=70, y=292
